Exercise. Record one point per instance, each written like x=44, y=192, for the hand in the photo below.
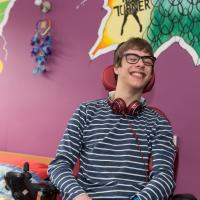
x=82, y=197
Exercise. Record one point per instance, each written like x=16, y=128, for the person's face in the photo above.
x=134, y=71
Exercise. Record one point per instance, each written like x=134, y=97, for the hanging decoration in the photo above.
x=42, y=41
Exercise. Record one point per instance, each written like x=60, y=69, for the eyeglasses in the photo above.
x=132, y=58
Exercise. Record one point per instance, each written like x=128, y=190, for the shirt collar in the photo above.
x=142, y=99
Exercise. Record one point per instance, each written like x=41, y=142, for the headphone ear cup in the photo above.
x=134, y=108
x=118, y=106
x=150, y=84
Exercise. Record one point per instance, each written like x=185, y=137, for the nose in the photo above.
x=140, y=63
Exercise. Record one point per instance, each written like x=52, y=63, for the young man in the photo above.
x=116, y=137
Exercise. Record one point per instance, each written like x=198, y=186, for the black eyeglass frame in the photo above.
x=140, y=57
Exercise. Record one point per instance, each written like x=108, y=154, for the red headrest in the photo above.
x=109, y=82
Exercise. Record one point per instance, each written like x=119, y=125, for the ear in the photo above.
x=150, y=77
x=150, y=84
x=116, y=69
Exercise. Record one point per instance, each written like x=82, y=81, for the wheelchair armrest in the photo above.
x=184, y=197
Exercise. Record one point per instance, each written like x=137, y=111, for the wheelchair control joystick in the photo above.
x=23, y=189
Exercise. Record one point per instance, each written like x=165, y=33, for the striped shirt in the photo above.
x=114, y=153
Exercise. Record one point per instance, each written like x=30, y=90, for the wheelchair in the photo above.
x=20, y=183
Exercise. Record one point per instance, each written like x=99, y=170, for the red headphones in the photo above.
x=118, y=106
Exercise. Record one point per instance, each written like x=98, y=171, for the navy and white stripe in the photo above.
x=112, y=166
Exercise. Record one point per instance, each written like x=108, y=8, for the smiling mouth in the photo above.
x=138, y=74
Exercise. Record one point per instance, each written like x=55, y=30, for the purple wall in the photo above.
x=34, y=110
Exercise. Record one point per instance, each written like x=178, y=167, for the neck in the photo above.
x=128, y=95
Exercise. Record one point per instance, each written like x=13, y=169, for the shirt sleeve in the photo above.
x=161, y=184
x=60, y=169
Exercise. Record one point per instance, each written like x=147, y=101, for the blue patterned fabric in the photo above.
x=4, y=168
